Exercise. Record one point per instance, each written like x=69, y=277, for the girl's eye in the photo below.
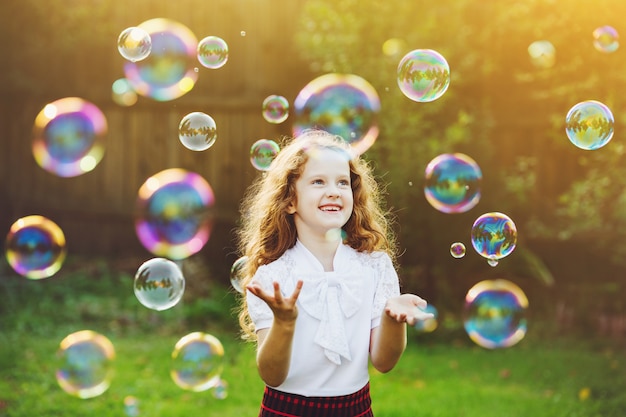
x=344, y=183
x=318, y=181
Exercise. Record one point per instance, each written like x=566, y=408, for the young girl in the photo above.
x=323, y=297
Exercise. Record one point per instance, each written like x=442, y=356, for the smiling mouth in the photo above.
x=330, y=208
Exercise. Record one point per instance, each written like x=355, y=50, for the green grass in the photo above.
x=442, y=374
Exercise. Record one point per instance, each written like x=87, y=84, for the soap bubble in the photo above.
x=342, y=104
x=35, y=247
x=262, y=153
x=84, y=364
x=68, y=137
x=122, y=92
x=131, y=406
x=159, y=284
x=197, y=362
x=394, y=46
x=169, y=71
x=452, y=183
x=236, y=273
x=275, y=109
x=457, y=250
x=212, y=52
x=605, y=39
x=172, y=218
x=220, y=390
x=542, y=54
x=494, y=314
x=423, y=75
x=494, y=236
x=589, y=125
x=134, y=44
x=197, y=131
x=430, y=324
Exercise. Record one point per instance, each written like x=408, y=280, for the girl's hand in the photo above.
x=284, y=309
x=407, y=308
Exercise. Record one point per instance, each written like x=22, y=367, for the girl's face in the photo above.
x=324, y=199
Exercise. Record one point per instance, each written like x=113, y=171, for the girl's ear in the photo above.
x=291, y=208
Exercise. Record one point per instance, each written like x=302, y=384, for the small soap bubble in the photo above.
x=197, y=131
x=122, y=92
x=342, y=104
x=242, y=33
x=452, y=183
x=84, y=364
x=394, y=46
x=131, y=406
x=492, y=261
x=262, y=153
x=457, y=250
x=494, y=236
x=494, y=314
x=220, y=390
x=236, y=273
x=134, y=44
x=605, y=39
x=173, y=218
x=212, y=52
x=68, y=137
x=275, y=109
x=423, y=75
x=542, y=54
x=430, y=324
x=159, y=284
x=35, y=247
x=197, y=362
x=589, y=125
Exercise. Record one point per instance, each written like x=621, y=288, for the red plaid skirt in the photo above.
x=281, y=404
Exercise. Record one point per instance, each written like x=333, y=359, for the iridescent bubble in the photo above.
x=122, y=92
x=134, y=44
x=605, y=39
x=457, y=250
x=197, y=131
x=197, y=362
x=236, y=273
x=275, y=109
x=84, y=364
x=212, y=52
x=542, y=54
x=494, y=236
x=452, y=183
x=68, y=137
x=220, y=390
x=35, y=247
x=159, y=284
x=131, y=406
x=430, y=324
x=168, y=72
x=423, y=75
x=342, y=104
x=172, y=218
x=589, y=125
x=262, y=153
x=494, y=314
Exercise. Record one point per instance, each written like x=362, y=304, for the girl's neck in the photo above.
x=323, y=249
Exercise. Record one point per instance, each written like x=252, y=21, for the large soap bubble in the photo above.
x=494, y=314
x=197, y=131
x=342, y=104
x=262, y=153
x=173, y=219
x=169, y=71
x=159, y=284
x=197, y=362
x=84, y=364
x=589, y=125
x=423, y=75
x=134, y=44
x=212, y=52
x=452, y=183
x=35, y=247
x=68, y=137
x=494, y=236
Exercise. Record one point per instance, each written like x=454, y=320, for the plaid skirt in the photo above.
x=281, y=404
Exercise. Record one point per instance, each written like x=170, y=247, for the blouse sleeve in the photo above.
x=261, y=315
x=388, y=285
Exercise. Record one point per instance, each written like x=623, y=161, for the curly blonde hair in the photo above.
x=267, y=230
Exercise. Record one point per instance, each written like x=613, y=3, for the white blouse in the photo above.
x=336, y=312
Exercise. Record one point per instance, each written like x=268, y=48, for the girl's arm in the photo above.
x=388, y=341
x=274, y=344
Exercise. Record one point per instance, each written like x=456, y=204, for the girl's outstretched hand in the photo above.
x=284, y=308
x=407, y=308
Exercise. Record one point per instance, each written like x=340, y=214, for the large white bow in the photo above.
x=329, y=296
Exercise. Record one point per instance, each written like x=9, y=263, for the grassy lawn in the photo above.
x=442, y=373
